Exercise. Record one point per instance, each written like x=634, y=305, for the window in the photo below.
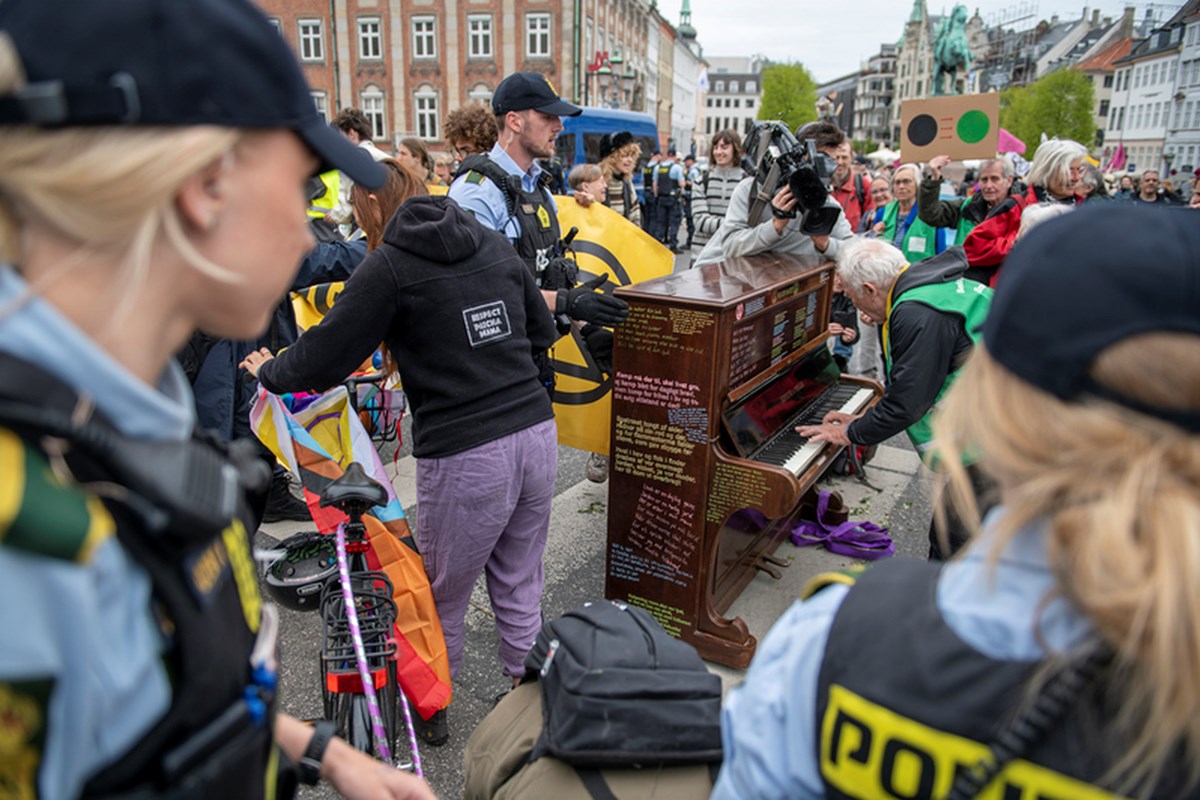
x=589, y=50
x=1178, y=114
x=1127, y=80
x=1157, y=114
x=312, y=41
x=737, y=103
x=751, y=87
x=321, y=103
x=733, y=87
x=1174, y=64
x=708, y=102
x=1104, y=108
x=277, y=24
x=479, y=28
x=720, y=87
x=1137, y=77
x=482, y=93
x=372, y=105
x=370, y=38
x=424, y=45
x=427, y=113
x=920, y=84
x=1108, y=81
x=537, y=35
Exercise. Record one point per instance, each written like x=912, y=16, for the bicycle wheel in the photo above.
x=354, y=719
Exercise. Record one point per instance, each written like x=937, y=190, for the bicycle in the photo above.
x=358, y=654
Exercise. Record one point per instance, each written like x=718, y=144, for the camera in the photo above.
x=783, y=160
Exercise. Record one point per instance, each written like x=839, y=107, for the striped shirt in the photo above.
x=616, y=200
x=710, y=200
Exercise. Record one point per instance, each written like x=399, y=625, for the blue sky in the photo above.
x=832, y=37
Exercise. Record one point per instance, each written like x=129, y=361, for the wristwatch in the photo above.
x=310, y=763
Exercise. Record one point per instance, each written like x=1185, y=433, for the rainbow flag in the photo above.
x=316, y=443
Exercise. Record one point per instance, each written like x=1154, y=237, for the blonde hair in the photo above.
x=109, y=189
x=1119, y=493
x=608, y=164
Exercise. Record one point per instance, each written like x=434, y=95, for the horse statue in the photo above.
x=950, y=50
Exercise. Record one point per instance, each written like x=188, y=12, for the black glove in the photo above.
x=585, y=304
x=561, y=273
x=599, y=343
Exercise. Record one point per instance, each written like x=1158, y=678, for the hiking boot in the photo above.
x=597, y=468
x=282, y=504
x=434, y=731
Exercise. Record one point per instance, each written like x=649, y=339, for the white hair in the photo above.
x=916, y=172
x=1054, y=158
x=1035, y=215
x=871, y=261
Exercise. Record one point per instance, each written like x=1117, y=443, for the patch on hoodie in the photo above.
x=487, y=323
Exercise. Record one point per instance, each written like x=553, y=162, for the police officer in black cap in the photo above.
x=506, y=191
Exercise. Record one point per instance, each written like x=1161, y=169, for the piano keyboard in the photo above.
x=794, y=452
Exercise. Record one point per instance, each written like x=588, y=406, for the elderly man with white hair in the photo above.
x=1054, y=177
x=931, y=317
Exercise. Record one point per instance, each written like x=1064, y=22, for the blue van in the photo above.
x=579, y=142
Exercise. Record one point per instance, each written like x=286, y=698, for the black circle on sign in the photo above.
x=922, y=130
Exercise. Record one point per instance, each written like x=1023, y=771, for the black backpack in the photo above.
x=618, y=690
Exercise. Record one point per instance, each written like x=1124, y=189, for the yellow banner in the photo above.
x=607, y=244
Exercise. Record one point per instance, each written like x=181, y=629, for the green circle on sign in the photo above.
x=973, y=126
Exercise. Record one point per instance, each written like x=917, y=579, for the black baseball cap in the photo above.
x=1083, y=282
x=165, y=63
x=525, y=90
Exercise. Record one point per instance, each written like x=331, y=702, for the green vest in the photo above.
x=969, y=300
x=318, y=208
x=921, y=240
x=965, y=226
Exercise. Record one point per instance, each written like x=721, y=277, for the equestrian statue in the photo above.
x=951, y=51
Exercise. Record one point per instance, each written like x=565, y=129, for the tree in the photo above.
x=1059, y=105
x=789, y=93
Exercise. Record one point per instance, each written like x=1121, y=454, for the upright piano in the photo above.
x=713, y=370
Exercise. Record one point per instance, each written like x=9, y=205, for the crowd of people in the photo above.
x=152, y=221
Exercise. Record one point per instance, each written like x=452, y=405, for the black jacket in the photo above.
x=933, y=210
x=926, y=345
x=459, y=313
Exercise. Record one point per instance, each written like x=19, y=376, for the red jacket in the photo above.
x=847, y=196
x=991, y=240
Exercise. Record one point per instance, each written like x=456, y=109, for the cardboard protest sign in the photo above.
x=960, y=126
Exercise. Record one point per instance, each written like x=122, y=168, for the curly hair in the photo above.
x=353, y=119
x=474, y=124
x=608, y=165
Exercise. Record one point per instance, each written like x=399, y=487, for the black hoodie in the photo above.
x=926, y=346
x=459, y=313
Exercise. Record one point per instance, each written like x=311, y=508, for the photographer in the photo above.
x=783, y=225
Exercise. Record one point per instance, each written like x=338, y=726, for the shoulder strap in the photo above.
x=594, y=783
x=482, y=165
x=859, y=191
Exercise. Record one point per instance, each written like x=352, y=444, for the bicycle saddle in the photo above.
x=354, y=487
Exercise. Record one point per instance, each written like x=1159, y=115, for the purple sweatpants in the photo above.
x=488, y=508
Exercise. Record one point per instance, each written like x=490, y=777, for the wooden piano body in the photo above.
x=690, y=521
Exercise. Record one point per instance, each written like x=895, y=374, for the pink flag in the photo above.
x=1007, y=143
x=1118, y=159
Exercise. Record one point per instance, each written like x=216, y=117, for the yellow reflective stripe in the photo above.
x=824, y=579
x=100, y=527
x=12, y=478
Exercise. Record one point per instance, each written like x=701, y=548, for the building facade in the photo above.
x=836, y=101
x=1143, y=104
x=873, y=97
x=406, y=63
x=734, y=95
x=1181, y=147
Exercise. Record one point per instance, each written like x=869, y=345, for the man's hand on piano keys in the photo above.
x=832, y=432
